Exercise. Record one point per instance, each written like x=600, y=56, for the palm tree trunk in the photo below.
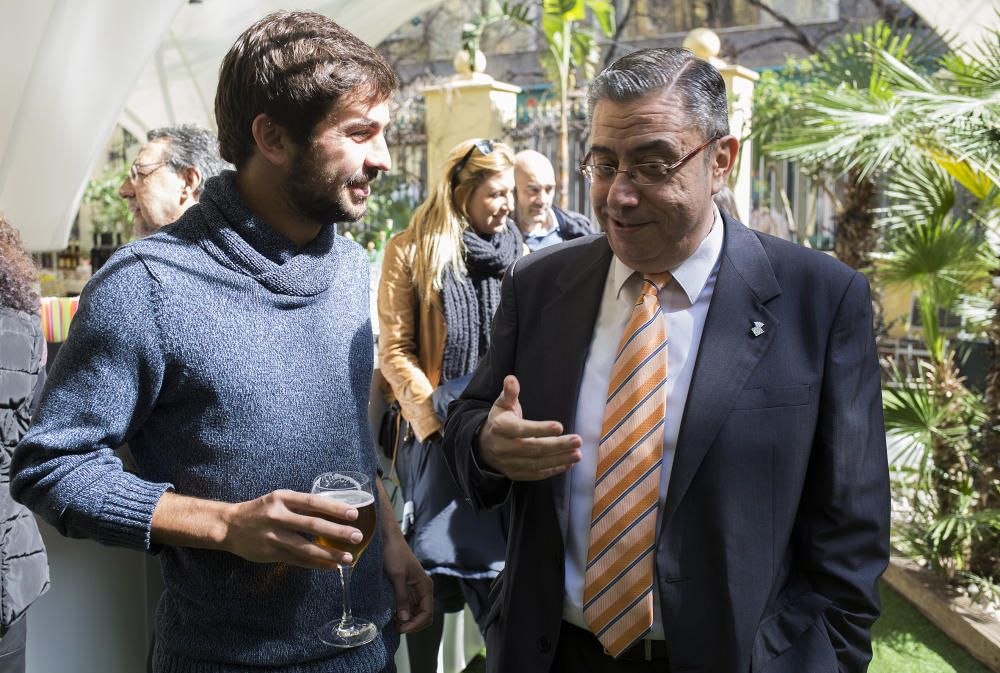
x=856, y=237
x=950, y=471
x=945, y=484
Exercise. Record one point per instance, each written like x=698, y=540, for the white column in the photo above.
x=470, y=105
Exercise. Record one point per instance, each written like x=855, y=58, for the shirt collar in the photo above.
x=693, y=273
x=552, y=225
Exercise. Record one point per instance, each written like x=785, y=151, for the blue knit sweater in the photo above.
x=233, y=363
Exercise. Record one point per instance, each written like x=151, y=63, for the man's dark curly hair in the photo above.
x=18, y=280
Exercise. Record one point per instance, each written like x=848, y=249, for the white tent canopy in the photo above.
x=963, y=23
x=71, y=69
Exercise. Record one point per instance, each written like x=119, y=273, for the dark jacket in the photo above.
x=572, y=225
x=445, y=533
x=775, y=525
x=25, y=570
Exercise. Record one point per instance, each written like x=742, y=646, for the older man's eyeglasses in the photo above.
x=644, y=174
x=138, y=172
x=484, y=146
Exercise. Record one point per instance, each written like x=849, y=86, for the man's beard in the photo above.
x=537, y=218
x=322, y=196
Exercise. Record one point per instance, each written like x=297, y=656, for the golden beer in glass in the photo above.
x=365, y=504
x=354, y=489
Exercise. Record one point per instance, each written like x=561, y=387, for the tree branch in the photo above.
x=835, y=30
x=736, y=53
x=621, y=22
x=800, y=36
x=886, y=13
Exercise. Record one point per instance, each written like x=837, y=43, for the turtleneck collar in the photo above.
x=248, y=245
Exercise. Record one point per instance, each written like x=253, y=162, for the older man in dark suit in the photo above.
x=698, y=475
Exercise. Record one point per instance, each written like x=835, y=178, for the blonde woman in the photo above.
x=439, y=289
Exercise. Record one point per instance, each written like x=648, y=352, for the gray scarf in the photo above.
x=471, y=300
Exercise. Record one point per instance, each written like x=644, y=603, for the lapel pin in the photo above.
x=757, y=329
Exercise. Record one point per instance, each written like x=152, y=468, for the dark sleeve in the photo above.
x=466, y=415
x=842, y=527
x=586, y=225
x=21, y=381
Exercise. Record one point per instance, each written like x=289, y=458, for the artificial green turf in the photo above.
x=904, y=641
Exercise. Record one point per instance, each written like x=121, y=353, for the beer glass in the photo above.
x=354, y=489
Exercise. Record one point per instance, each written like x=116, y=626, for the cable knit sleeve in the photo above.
x=103, y=384
x=398, y=311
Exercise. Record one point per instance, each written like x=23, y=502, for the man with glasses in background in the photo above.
x=169, y=174
x=697, y=475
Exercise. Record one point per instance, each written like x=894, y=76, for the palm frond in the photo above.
x=919, y=190
x=977, y=144
x=983, y=590
x=942, y=537
x=947, y=106
x=976, y=68
x=966, y=523
x=957, y=119
x=912, y=416
x=967, y=174
x=940, y=257
x=988, y=218
x=977, y=312
x=845, y=128
x=899, y=74
x=850, y=59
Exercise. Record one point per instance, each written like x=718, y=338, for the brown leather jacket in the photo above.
x=411, y=337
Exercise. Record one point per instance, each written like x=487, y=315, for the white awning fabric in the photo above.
x=962, y=23
x=71, y=69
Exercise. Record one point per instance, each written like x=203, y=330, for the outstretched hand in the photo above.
x=524, y=450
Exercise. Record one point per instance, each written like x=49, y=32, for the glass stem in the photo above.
x=347, y=619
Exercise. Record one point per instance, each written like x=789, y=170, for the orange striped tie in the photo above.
x=618, y=586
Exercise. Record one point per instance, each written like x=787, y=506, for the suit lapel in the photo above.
x=570, y=319
x=729, y=352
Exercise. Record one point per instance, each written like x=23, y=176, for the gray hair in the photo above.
x=726, y=200
x=191, y=146
x=700, y=85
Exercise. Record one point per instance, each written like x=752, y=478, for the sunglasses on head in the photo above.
x=484, y=146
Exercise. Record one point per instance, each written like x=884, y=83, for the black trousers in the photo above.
x=450, y=595
x=13, y=645
x=580, y=650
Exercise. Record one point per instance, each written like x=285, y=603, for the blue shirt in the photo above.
x=542, y=239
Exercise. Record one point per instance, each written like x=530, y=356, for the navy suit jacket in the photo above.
x=775, y=526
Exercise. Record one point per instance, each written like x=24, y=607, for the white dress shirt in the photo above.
x=684, y=304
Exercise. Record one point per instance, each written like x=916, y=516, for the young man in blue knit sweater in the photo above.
x=232, y=351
